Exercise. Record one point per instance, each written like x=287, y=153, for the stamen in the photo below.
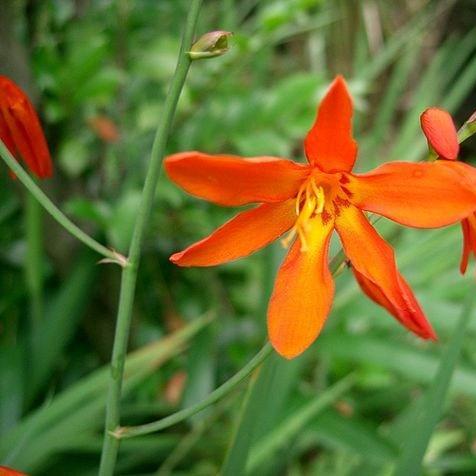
x=310, y=201
x=298, y=200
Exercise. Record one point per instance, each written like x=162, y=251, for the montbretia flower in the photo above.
x=440, y=131
x=4, y=471
x=21, y=131
x=309, y=202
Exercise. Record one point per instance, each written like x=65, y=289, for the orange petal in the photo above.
x=426, y=195
x=24, y=128
x=6, y=136
x=242, y=235
x=376, y=271
x=469, y=241
x=329, y=143
x=303, y=293
x=230, y=180
x=440, y=131
x=466, y=173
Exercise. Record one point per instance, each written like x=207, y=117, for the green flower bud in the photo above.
x=209, y=45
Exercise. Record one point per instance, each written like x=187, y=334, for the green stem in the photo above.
x=218, y=394
x=129, y=273
x=467, y=130
x=34, y=258
x=52, y=209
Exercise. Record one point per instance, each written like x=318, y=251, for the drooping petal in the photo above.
x=24, y=128
x=440, y=131
x=230, y=180
x=376, y=271
x=303, y=293
x=469, y=241
x=242, y=235
x=374, y=292
x=425, y=195
x=466, y=173
x=329, y=143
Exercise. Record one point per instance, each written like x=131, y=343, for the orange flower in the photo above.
x=4, y=471
x=20, y=129
x=310, y=202
x=440, y=131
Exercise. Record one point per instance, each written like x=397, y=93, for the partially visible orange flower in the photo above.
x=310, y=202
x=104, y=128
x=4, y=471
x=174, y=388
x=21, y=131
x=440, y=131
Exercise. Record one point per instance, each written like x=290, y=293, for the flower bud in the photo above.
x=209, y=45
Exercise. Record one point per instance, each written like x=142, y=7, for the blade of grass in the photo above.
x=34, y=259
x=259, y=411
x=404, y=359
x=289, y=429
x=417, y=440
x=408, y=35
x=61, y=320
x=91, y=389
x=352, y=434
x=388, y=104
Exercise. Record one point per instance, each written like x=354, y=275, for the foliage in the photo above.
x=101, y=61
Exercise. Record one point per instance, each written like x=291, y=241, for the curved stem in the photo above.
x=53, y=210
x=129, y=273
x=220, y=392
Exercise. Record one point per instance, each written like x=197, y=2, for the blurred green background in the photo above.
x=98, y=71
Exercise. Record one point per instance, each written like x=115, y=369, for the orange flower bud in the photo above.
x=20, y=129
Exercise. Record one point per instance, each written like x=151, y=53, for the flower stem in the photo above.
x=51, y=208
x=129, y=273
x=218, y=394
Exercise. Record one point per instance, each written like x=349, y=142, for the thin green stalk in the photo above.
x=467, y=130
x=129, y=273
x=34, y=258
x=53, y=210
x=218, y=394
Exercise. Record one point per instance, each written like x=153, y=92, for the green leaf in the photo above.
x=79, y=409
x=266, y=448
x=416, y=442
x=260, y=413
x=61, y=320
x=352, y=434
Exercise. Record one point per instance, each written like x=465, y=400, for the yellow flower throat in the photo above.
x=309, y=202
